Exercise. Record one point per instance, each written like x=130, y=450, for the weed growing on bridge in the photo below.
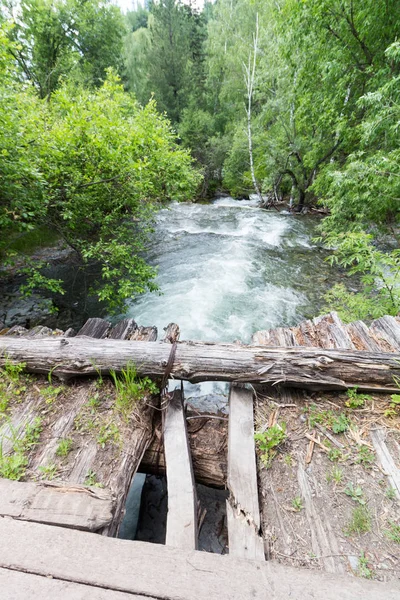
x=360, y=521
x=64, y=447
x=131, y=389
x=269, y=440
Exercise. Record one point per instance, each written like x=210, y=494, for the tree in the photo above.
x=94, y=166
x=56, y=38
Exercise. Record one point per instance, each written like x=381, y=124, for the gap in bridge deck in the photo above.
x=147, y=508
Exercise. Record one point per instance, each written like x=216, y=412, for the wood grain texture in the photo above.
x=168, y=573
x=16, y=585
x=242, y=506
x=386, y=459
x=68, y=505
x=310, y=368
x=182, y=502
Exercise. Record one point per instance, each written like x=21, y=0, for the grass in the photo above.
x=64, y=447
x=12, y=383
x=91, y=479
x=51, y=393
x=365, y=457
x=390, y=493
x=108, y=433
x=393, y=533
x=297, y=503
x=13, y=465
x=131, y=388
x=363, y=568
x=49, y=471
x=360, y=521
x=335, y=454
x=269, y=440
x=335, y=475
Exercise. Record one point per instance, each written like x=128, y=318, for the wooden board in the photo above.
x=168, y=573
x=310, y=368
x=69, y=505
x=16, y=585
x=386, y=459
x=208, y=437
x=242, y=506
x=182, y=502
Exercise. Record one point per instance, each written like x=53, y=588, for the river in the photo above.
x=228, y=269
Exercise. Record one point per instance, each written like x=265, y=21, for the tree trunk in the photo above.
x=310, y=368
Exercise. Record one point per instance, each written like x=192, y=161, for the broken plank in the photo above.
x=242, y=506
x=159, y=571
x=386, y=459
x=95, y=328
x=65, y=504
x=182, y=502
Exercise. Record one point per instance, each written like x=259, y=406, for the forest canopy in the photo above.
x=296, y=101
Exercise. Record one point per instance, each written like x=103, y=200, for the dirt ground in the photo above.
x=326, y=501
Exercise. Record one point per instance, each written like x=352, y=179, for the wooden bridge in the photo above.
x=47, y=543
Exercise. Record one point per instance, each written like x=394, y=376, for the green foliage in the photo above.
x=380, y=277
x=12, y=383
x=94, y=166
x=393, y=533
x=363, y=568
x=51, y=393
x=340, y=424
x=108, y=433
x=49, y=471
x=366, y=457
x=356, y=400
x=57, y=38
x=131, y=389
x=394, y=406
x=297, y=503
x=91, y=479
x=269, y=440
x=335, y=454
x=335, y=475
x=64, y=447
x=356, y=493
x=360, y=521
x=13, y=465
x=390, y=493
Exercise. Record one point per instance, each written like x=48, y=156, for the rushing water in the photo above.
x=228, y=269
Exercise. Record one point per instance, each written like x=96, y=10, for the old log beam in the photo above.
x=309, y=368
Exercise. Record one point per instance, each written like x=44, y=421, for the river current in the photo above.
x=228, y=269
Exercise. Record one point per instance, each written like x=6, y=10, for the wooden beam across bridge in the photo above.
x=303, y=367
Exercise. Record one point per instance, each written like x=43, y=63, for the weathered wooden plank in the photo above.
x=208, y=445
x=95, y=328
x=310, y=368
x=17, y=585
x=331, y=332
x=361, y=337
x=182, y=503
x=386, y=459
x=172, y=333
x=169, y=573
x=144, y=334
x=324, y=542
x=123, y=330
x=386, y=331
x=242, y=505
x=58, y=503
